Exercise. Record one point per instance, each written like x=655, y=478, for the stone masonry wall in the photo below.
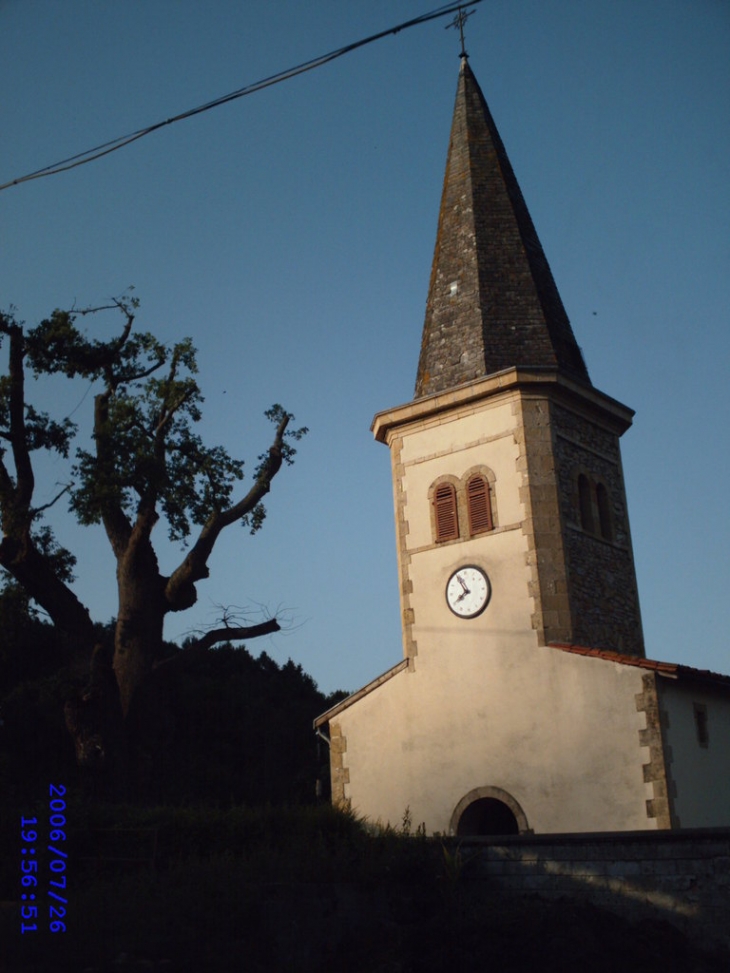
x=542, y=526
x=340, y=774
x=601, y=575
x=682, y=877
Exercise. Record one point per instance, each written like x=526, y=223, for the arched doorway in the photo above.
x=486, y=816
x=488, y=811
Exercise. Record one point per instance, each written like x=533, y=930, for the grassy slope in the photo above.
x=306, y=889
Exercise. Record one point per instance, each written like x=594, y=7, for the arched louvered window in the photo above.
x=604, y=512
x=447, y=518
x=586, y=504
x=479, y=505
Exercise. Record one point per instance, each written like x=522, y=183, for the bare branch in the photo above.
x=37, y=510
x=228, y=634
x=101, y=307
x=197, y=650
x=136, y=376
x=105, y=357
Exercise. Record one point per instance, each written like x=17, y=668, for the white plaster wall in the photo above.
x=559, y=732
x=507, y=618
x=451, y=431
x=701, y=775
x=483, y=434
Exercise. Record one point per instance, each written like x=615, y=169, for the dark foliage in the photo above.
x=36, y=674
x=241, y=732
x=232, y=729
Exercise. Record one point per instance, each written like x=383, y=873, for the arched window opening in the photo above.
x=447, y=518
x=479, y=505
x=487, y=816
x=604, y=512
x=586, y=504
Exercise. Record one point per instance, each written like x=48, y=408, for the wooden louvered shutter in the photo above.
x=447, y=520
x=479, y=505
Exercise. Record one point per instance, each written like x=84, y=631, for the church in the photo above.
x=524, y=701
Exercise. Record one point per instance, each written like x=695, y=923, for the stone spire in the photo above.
x=492, y=301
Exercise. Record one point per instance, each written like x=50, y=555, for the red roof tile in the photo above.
x=667, y=668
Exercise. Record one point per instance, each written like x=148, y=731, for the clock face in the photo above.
x=468, y=591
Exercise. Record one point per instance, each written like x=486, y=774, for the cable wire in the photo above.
x=106, y=148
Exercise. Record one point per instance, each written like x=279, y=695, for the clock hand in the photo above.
x=463, y=584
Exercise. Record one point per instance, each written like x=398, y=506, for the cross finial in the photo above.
x=459, y=20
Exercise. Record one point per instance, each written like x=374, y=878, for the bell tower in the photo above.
x=524, y=701
x=511, y=515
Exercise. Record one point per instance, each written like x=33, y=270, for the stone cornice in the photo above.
x=536, y=381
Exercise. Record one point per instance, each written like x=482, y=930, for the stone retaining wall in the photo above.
x=682, y=877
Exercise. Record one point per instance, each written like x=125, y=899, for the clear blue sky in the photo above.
x=291, y=233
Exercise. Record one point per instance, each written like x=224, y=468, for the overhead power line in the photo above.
x=106, y=148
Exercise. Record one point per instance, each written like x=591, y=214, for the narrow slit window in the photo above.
x=604, y=512
x=586, y=504
x=479, y=505
x=447, y=519
x=703, y=736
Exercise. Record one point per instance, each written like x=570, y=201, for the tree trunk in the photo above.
x=142, y=609
x=138, y=639
x=94, y=720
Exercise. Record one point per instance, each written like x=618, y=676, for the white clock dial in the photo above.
x=468, y=592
